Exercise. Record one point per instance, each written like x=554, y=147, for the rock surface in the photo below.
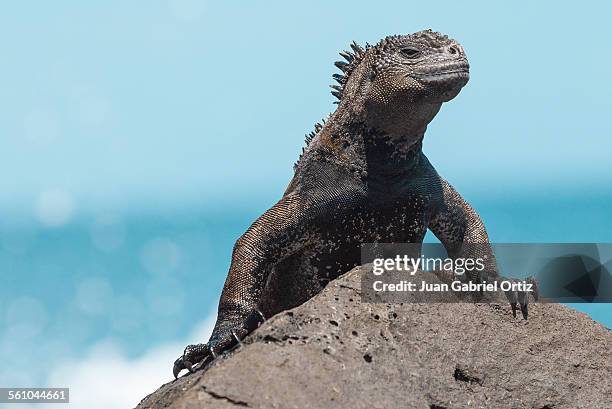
x=335, y=351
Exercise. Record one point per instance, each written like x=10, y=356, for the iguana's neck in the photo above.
x=350, y=135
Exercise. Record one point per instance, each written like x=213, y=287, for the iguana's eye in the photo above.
x=410, y=52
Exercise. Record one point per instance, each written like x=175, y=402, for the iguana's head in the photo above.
x=400, y=83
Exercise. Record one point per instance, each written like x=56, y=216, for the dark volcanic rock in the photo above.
x=335, y=351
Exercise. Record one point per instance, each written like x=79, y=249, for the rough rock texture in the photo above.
x=335, y=351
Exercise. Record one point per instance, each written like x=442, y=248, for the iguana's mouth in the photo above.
x=456, y=73
x=447, y=70
x=448, y=82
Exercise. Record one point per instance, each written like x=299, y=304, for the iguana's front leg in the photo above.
x=272, y=237
x=457, y=225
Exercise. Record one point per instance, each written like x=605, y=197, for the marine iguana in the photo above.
x=361, y=178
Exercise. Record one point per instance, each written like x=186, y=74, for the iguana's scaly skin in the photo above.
x=362, y=178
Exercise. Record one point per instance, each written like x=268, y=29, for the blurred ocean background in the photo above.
x=138, y=140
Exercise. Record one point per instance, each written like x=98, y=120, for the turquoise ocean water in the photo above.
x=144, y=279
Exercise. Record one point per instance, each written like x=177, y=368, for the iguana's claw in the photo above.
x=176, y=370
x=193, y=353
x=196, y=357
x=179, y=365
x=521, y=298
x=524, y=310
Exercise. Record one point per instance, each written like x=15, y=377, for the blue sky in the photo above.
x=139, y=139
x=116, y=103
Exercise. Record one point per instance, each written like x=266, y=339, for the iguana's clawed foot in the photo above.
x=193, y=354
x=524, y=309
x=520, y=299
x=223, y=338
x=200, y=355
